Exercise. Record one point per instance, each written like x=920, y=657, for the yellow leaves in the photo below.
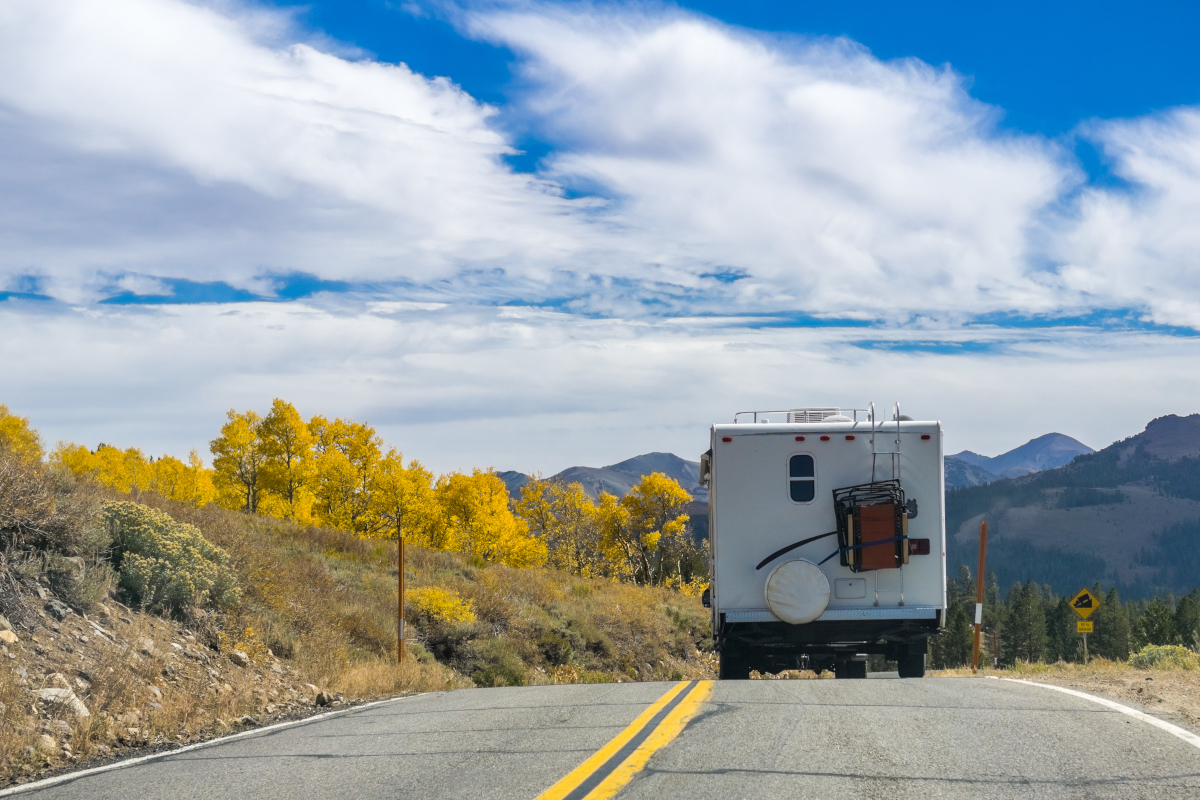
x=237, y=459
x=480, y=522
x=129, y=470
x=17, y=437
x=403, y=503
x=439, y=605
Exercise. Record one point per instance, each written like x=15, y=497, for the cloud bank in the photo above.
x=710, y=194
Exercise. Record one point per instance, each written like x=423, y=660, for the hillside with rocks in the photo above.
x=1128, y=514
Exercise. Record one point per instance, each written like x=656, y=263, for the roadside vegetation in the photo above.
x=134, y=614
x=1032, y=624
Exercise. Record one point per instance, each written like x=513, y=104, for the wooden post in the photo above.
x=400, y=599
x=979, y=595
x=1085, y=654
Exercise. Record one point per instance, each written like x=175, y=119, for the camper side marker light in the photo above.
x=824, y=438
x=849, y=437
x=799, y=438
x=726, y=438
x=924, y=435
x=918, y=547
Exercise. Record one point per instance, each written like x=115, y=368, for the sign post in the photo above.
x=1084, y=603
x=979, y=595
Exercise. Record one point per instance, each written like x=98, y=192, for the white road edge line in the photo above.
x=1174, y=730
x=70, y=776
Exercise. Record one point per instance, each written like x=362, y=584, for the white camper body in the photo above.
x=827, y=604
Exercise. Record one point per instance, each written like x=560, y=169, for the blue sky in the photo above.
x=564, y=233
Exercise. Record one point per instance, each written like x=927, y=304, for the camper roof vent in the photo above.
x=812, y=414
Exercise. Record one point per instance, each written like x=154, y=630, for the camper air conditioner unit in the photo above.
x=812, y=414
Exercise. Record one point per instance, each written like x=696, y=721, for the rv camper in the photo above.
x=827, y=531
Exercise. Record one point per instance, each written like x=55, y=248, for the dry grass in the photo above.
x=318, y=607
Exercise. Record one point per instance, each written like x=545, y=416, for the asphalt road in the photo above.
x=753, y=739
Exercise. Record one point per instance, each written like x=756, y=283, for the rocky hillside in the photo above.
x=1128, y=514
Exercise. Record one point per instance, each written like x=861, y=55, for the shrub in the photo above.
x=439, y=605
x=555, y=648
x=1167, y=656
x=500, y=665
x=165, y=564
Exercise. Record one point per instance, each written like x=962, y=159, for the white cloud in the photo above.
x=1139, y=244
x=460, y=386
x=145, y=140
x=219, y=154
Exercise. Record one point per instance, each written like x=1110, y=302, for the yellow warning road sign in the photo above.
x=1084, y=603
x=1082, y=626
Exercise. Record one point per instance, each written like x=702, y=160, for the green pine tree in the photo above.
x=1156, y=624
x=1024, y=633
x=1112, y=630
x=1187, y=619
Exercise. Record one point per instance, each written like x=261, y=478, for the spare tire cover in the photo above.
x=797, y=591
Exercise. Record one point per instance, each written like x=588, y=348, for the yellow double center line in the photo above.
x=615, y=764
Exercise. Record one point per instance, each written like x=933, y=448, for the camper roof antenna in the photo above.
x=896, y=461
x=871, y=417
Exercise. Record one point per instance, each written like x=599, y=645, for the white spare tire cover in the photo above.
x=797, y=591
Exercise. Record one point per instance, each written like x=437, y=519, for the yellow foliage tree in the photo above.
x=481, y=523
x=130, y=471
x=404, y=505
x=18, y=438
x=238, y=460
x=288, y=468
x=652, y=534
x=566, y=519
x=347, y=454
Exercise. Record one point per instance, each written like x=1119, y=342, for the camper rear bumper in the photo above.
x=838, y=614
x=781, y=644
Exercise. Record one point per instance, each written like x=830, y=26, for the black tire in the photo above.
x=911, y=665
x=733, y=667
x=850, y=669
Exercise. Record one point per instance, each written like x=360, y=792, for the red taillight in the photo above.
x=918, y=547
x=726, y=438
x=849, y=437
x=824, y=438
x=799, y=438
x=924, y=435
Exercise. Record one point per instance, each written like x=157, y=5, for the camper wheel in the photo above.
x=911, y=665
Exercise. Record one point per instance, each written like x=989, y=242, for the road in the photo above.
x=890, y=739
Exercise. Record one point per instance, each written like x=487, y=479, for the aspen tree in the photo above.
x=18, y=438
x=403, y=503
x=289, y=468
x=481, y=523
x=237, y=460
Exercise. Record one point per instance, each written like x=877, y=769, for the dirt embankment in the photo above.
x=84, y=687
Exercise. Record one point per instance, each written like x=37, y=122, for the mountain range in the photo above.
x=1050, y=451
x=1058, y=512
x=1128, y=515
x=619, y=478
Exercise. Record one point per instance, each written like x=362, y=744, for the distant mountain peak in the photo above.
x=1048, y=451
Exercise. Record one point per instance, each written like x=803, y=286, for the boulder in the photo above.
x=46, y=742
x=5, y=625
x=323, y=699
x=146, y=647
x=239, y=658
x=58, y=609
x=8, y=637
x=63, y=701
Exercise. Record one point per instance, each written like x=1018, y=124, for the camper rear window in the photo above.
x=802, y=484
